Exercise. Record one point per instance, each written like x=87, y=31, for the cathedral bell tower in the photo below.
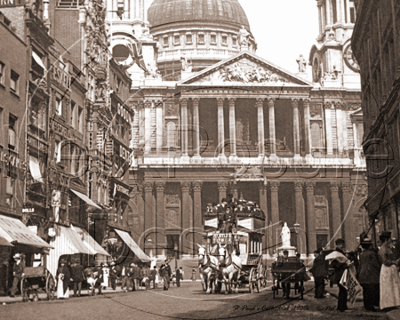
x=332, y=60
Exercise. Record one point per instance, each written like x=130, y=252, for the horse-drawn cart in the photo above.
x=287, y=271
x=36, y=279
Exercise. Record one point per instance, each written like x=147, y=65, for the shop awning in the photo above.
x=86, y=199
x=35, y=169
x=74, y=241
x=90, y=241
x=13, y=230
x=38, y=60
x=5, y=243
x=133, y=246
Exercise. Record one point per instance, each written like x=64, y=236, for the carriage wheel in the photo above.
x=301, y=289
x=50, y=286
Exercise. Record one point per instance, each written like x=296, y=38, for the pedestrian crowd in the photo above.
x=376, y=270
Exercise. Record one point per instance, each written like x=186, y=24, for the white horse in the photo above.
x=207, y=266
x=231, y=270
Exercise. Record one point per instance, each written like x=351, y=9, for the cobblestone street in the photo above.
x=187, y=302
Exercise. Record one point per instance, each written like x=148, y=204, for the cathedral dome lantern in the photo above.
x=202, y=32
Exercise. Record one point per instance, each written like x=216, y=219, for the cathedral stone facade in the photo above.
x=213, y=119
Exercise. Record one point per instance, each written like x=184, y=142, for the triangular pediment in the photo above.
x=244, y=69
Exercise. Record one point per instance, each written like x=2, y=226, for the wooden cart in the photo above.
x=292, y=271
x=37, y=279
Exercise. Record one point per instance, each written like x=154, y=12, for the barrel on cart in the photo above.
x=36, y=280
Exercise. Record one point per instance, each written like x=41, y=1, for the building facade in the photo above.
x=375, y=42
x=235, y=124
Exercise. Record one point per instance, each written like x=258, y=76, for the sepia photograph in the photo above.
x=199, y=159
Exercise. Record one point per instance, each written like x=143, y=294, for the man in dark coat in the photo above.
x=114, y=274
x=77, y=276
x=18, y=273
x=178, y=277
x=165, y=273
x=135, y=277
x=98, y=274
x=368, y=275
x=319, y=271
x=338, y=272
x=153, y=274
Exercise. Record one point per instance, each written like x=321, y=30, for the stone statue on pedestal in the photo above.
x=302, y=62
x=243, y=36
x=285, y=235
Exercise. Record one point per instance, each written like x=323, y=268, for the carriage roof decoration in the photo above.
x=248, y=215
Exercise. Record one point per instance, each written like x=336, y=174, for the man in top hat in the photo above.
x=319, y=271
x=368, y=274
x=18, y=273
x=339, y=269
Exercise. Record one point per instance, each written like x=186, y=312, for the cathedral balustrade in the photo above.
x=194, y=53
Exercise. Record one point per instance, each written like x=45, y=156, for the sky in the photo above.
x=283, y=29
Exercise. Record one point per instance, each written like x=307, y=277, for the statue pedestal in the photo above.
x=291, y=250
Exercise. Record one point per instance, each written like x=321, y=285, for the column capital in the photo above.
x=185, y=186
x=274, y=186
x=160, y=185
x=158, y=103
x=295, y=103
x=259, y=101
x=196, y=100
x=147, y=104
x=320, y=3
x=148, y=186
x=197, y=186
x=335, y=186
x=347, y=187
x=310, y=186
x=139, y=188
x=298, y=186
x=231, y=102
x=306, y=102
x=220, y=102
x=271, y=101
x=222, y=185
x=183, y=101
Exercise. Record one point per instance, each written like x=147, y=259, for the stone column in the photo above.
x=296, y=128
x=310, y=228
x=196, y=128
x=147, y=125
x=142, y=124
x=187, y=219
x=140, y=210
x=328, y=126
x=159, y=126
x=232, y=128
x=260, y=126
x=222, y=186
x=306, y=105
x=339, y=128
x=149, y=218
x=184, y=102
x=274, y=186
x=197, y=216
x=221, y=138
x=340, y=10
x=234, y=190
x=161, y=240
x=264, y=207
x=272, y=134
x=300, y=217
x=320, y=15
x=349, y=236
x=336, y=215
x=328, y=12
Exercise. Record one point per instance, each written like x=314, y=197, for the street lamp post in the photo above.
x=176, y=255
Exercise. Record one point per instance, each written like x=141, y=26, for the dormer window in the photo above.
x=224, y=40
x=165, y=41
x=234, y=41
x=177, y=39
x=189, y=38
x=200, y=38
x=213, y=38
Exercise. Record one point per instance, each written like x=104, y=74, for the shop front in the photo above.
x=15, y=237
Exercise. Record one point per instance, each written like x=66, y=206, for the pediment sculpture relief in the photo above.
x=249, y=72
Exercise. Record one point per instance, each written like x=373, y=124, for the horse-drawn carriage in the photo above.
x=36, y=279
x=289, y=270
x=233, y=258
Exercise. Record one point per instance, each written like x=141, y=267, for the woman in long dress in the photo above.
x=389, y=276
x=63, y=277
